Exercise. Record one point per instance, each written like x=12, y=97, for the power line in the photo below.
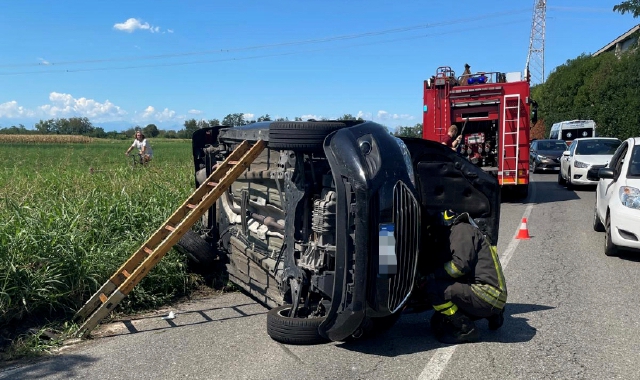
x=258, y=47
x=173, y=64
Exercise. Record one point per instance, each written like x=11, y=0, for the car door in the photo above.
x=607, y=186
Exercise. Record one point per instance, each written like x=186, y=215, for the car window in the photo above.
x=573, y=147
x=618, y=155
x=558, y=146
x=534, y=145
x=597, y=147
x=634, y=164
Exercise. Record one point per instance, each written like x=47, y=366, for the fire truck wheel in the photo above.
x=305, y=136
x=522, y=191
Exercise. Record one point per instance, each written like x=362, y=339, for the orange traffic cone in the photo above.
x=524, y=232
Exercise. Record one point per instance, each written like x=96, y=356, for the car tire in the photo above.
x=597, y=223
x=199, y=253
x=285, y=329
x=569, y=184
x=533, y=168
x=561, y=180
x=301, y=136
x=610, y=249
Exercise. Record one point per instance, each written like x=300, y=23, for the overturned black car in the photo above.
x=329, y=225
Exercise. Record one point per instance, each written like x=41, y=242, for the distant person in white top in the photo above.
x=143, y=147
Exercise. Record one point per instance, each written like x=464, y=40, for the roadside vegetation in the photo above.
x=70, y=215
x=604, y=88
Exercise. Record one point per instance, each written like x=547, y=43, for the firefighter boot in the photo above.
x=437, y=323
x=496, y=321
x=457, y=328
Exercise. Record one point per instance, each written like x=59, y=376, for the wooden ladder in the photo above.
x=149, y=254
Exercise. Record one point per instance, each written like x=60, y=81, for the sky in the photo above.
x=132, y=63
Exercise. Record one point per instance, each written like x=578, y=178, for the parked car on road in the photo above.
x=545, y=154
x=617, y=208
x=585, y=154
x=329, y=226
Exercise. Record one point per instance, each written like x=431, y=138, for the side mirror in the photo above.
x=534, y=112
x=606, y=173
x=565, y=153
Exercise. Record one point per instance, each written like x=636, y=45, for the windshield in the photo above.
x=557, y=146
x=597, y=147
x=634, y=165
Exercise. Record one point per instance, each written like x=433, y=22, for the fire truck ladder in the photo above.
x=510, y=133
x=149, y=254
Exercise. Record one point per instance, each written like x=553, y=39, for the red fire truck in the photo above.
x=491, y=111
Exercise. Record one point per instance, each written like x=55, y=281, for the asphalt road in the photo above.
x=572, y=314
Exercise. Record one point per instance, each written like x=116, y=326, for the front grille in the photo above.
x=406, y=216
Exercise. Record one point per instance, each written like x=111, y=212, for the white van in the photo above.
x=573, y=129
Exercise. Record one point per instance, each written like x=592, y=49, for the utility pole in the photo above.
x=534, y=68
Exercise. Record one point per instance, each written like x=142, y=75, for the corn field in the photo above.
x=45, y=139
x=71, y=214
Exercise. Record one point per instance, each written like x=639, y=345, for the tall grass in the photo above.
x=71, y=214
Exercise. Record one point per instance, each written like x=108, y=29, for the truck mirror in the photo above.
x=534, y=112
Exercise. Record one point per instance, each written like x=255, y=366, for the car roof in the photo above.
x=635, y=140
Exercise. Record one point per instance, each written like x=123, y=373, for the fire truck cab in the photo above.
x=491, y=111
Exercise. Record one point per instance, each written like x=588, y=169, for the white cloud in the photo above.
x=133, y=24
x=384, y=115
x=307, y=117
x=363, y=115
x=65, y=105
x=248, y=116
x=151, y=114
x=13, y=110
x=194, y=112
x=169, y=30
x=44, y=61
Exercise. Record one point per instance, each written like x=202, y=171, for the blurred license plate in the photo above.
x=388, y=263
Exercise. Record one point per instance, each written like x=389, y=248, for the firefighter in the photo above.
x=467, y=287
x=465, y=75
x=450, y=139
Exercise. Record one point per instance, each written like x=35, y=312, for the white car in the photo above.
x=584, y=154
x=617, y=209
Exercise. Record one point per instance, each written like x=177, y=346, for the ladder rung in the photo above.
x=232, y=162
x=191, y=206
x=103, y=298
x=126, y=273
x=212, y=184
x=148, y=250
x=170, y=228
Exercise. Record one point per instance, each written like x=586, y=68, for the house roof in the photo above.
x=619, y=39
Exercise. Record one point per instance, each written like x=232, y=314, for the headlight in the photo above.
x=580, y=164
x=630, y=197
x=541, y=157
x=407, y=160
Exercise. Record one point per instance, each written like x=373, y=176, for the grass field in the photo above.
x=72, y=213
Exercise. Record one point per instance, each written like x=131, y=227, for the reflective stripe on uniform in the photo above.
x=452, y=269
x=490, y=295
x=448, y=308
x=496, y=263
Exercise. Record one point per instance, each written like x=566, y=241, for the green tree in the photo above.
x=630, y=6
x=415, y=131
x=151, y=130
x=264, y=118
x=190, y=126
x=234, y=120
x=45, y=126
